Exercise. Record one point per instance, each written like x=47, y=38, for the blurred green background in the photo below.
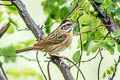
x=22, y=69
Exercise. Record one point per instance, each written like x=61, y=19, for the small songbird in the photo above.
x=55, y=42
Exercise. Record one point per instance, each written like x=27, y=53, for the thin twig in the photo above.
x=115, y=69
x=25, y=29
x=27, y=18
x=102, y=25
x=3, y=71
x=40, y=66
x=63, y=67
x=96, y=53
x=70, y=14
x=98, y=50
x=74, y=65
x=81, y=50
x=7, y=55
x=4, y=0
x=99, y=65
x=51, y=24
x=4, y=29
x=48, y=68
x=92, y=57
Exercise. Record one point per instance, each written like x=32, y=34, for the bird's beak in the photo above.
x=74, y=24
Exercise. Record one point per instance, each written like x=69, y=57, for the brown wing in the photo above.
x=52, y=40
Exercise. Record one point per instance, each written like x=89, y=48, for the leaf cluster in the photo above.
x=24, y=73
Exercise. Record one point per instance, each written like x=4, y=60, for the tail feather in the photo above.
x=25, y=49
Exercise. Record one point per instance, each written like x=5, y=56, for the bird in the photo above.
x=56, y=41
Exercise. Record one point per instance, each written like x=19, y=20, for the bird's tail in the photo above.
x=25, y=49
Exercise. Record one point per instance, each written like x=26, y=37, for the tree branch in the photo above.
x=105, y=18
x=99, y=65
x=40, y=66
x=4, y=29
x=2, y=32
x=63, y=68
x=115, y=69
x=2, y=77
x=27, y=19
x=3, y=71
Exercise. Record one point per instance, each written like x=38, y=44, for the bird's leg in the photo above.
x=45, y=54
x=64, y=57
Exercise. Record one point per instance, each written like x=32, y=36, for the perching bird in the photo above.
x=56, y=41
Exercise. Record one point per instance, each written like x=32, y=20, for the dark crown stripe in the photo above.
x=65, y=21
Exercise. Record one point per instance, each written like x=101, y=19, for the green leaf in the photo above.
x=108, y=72
x=117, y=0
x=103, y=44
x=85, y=19
x=47, y=22
x=111, y=42
x=118, y=13
x=99, y=1
x=112, y=8
x=76, y=56
x=40, y=77
x=13, y=72
x=90, y=48
x=104, y=75
x=106, y=4
x=80, y=0
x=116, y=34
x=112, y=69
x=1, y=14
x=29, y=42
x=13, y=22
x=75, y=16
x=55, y=12
x=8, y=51
x=26, y=43
x=118, y=47
x=12, y=9
x=10, y=30
x=18, y=47
x=98, y=35
x=28, y=72
x=64, y=11
x=61, y=2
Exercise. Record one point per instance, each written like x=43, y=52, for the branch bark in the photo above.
x=116, y=65
x=105, y=18
x=63, y=68
x=28, y=19
x=2, y=77
x=4, y=29
x=2, y=32
x=39, y=34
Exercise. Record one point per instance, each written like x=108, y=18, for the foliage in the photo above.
x=10, y=11
x=9, y=52
x=23, y=73
x=93, y=40
x=55, y=11
x=58, y=10
x=108, y=72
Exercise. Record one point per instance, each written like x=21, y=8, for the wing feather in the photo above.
x=52, y=40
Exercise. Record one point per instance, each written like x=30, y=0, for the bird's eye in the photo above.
x=65, y=27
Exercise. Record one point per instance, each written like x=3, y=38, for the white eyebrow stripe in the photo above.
x=65, y=23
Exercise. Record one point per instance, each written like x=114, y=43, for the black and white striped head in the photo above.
x=67, y=26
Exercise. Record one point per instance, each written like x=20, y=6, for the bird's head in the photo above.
x=67, y=26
